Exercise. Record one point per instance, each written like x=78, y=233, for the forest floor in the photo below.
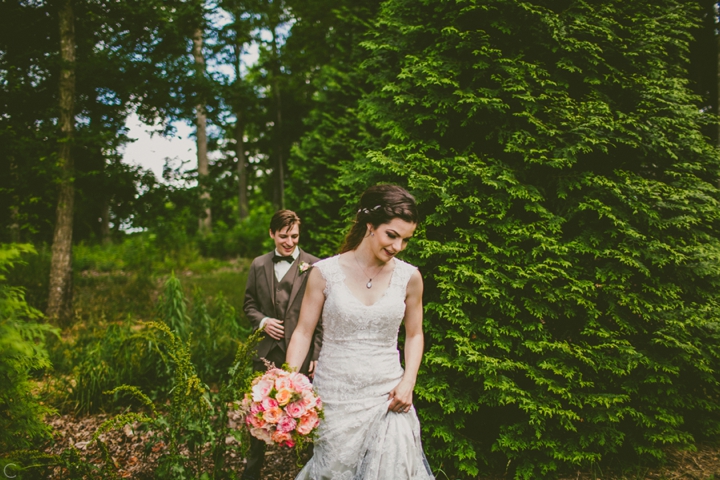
x=128, y=452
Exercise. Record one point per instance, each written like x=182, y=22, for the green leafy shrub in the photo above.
x=248, y=238
x=571, y=223
x=22, y=353
x=32, y=275
x=104, y=355
x=109, y=355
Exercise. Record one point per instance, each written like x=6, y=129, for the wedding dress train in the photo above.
x=359, y=364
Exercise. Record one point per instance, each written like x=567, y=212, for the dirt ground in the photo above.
x=127, y=448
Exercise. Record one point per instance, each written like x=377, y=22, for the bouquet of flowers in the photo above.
x=282, y=408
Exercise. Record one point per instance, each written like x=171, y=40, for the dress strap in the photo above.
x=402, y=274
x=331, y=272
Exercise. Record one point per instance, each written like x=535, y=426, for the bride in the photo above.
x=370, y=430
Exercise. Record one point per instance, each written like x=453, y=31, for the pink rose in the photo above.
x=309, y=399
x=283, y=383
x=274, y=373
x=269, y=403
x=261, y=390
x=256, y=408
x=300, y=382
x=286, y=424
x=273, y=415
x=296, y=409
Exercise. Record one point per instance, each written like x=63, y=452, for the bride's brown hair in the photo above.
x=380, y=204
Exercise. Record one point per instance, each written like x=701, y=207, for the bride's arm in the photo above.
x=414, y=343
x=312, y=305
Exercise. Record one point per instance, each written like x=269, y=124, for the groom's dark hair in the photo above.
x=284, y=219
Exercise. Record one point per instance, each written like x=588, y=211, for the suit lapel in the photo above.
x=296, y=281
x=270, y=277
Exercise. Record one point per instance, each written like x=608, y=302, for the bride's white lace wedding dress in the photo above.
x=359, y=365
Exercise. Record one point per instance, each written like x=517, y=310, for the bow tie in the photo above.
x=280, y=258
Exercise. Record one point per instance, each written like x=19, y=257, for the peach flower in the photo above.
x=282, y=438
x=273, y=415
x=284, y=396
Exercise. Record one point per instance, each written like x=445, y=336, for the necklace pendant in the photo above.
x=369, y=284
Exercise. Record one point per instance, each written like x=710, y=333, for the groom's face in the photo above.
x=286, y=239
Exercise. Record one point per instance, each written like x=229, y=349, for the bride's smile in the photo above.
x=388, y=239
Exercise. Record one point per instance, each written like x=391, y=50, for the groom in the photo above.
x=273, y=295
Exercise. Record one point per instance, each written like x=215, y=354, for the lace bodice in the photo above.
x=348, y=320
x=359, y=365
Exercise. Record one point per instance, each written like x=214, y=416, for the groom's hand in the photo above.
x=274, y=328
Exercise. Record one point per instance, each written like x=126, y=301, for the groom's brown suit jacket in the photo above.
x=267, y=297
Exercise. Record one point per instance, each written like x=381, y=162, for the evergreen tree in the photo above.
x=570, y=236
x=327, y=40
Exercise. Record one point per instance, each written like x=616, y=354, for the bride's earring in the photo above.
x=372, y=234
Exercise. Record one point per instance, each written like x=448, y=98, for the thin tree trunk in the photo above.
x=14, y=226
x=279, y=162
x=243, y=205
x=60, y=295
x=105, y=225
x=205, y=222
x=717, y=39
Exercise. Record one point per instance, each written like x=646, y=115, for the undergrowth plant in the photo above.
x=190, y=429
x=193, y=426
x=189, y=420
x=22, y=353
x=105, y=354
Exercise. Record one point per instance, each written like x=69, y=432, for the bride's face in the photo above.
x=390, y=238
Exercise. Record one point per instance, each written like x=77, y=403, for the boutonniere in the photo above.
x=304, y=267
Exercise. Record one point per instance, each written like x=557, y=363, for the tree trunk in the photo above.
x=717, y=38
x=279, y=191
x=105, y=225
x=60, y=295
x=205, y=221
x=14, y=226
x=243, y=205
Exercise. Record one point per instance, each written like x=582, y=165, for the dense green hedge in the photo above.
x=570, y=237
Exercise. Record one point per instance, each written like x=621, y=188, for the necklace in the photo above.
x=369, y=283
